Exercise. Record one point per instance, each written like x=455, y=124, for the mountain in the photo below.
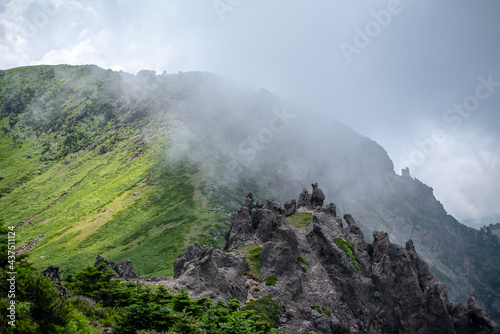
x=100, y=162
x=324, y=275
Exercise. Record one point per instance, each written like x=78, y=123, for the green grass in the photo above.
x=271, y=280
x=299, y=219
x=88, y=203
x=302, y=259
x=321, y=310
x=348, y=248
x=252, y=255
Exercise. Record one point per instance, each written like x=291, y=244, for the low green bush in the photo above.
x=271, y=280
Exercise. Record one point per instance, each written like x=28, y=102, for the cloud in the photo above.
x=427, y=58
x=464, y=171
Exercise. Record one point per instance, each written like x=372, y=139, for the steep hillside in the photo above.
x=100, y=162
x=87, y=174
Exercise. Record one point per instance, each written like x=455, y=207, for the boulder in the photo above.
x=212, y=273
x=123, y=268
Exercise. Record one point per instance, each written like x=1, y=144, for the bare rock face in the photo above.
x=123, y=268
x=290, y=207
x=326, y=276
x=187, y=256
x=317, y=196
x=304, y=199
x=251, y=225
x=212, y=273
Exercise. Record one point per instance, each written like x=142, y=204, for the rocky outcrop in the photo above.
x=211, y=273
x=28, y=245
x=326, y=275
x=317, y=196
x=52, y=272
x=304, y=199
x=290, y=207
x=251, y=225
x=123, y=268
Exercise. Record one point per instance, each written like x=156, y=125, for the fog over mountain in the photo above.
x=420, y=78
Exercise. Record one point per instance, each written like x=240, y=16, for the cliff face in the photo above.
x=463, y=258
x=323, y=273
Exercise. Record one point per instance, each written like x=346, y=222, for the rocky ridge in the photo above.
x=325, y=276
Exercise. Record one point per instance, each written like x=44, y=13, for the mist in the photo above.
x=422, y=78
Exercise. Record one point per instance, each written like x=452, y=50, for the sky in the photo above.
x=421, y=78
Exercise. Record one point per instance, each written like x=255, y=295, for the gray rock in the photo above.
x=52, y=272
x=213, y=274
x=123, y=268
x=329, y=209
x=329, y=279
x=290, y=207
x=304, y=199
x=317, y=196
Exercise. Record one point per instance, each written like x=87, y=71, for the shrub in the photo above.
x=302, y=259
x=271, y=280
x=348, y=248
x=266, y=309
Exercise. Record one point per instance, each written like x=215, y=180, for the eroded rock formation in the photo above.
x=325, y=275
x=123, y=268
x=328, y=277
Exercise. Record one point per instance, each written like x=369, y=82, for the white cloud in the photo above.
x=410, y=72
x=463, y=172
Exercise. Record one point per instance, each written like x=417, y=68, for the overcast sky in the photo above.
x=422, y=77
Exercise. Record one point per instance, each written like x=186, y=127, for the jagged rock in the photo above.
x=317, y=196
x=241, y=230
x=329, y=279
x=304, y=199
x=122, y=268
x=212, y=273
x=290, y=207
x=187, y=256
x=329, y=209
x=248, y=203
x=259, y=227
x=273, y=205
x=53, y=273
x=479, y=320
x=28, y=245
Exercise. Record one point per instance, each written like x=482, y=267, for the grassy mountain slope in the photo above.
x=93, y=184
